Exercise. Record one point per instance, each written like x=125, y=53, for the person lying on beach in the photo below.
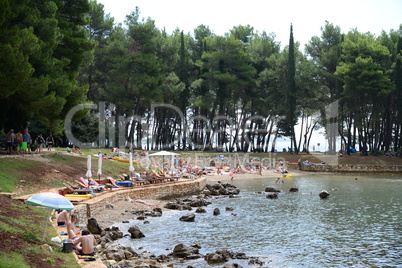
x=63, y=217
x=86, y=243
x=153, y=173
x=94, y=185
x=112, y=181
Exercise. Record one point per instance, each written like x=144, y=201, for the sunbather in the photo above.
x=112, y=181
x=152, y=173
x=86, y=243
x=63, y=218
x=94, y=185
x=71, y=227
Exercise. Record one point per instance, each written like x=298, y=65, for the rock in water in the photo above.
x=217, y=211
x=135, y=232
x=272, y=190
x=190, y=217
x=324, y=194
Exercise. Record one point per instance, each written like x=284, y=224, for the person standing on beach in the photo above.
x=27, y=139
x=10, y=139
x=39, y=141
x=18, y=142
x=50, y=142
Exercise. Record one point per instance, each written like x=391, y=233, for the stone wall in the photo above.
x=351, y=169
x=92, y=207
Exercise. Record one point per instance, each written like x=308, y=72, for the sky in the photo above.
x=272, y=16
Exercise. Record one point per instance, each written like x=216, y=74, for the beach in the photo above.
x=122, y=208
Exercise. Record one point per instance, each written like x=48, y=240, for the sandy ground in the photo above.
x=122, y=209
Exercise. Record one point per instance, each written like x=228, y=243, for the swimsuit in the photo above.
x=90, y=254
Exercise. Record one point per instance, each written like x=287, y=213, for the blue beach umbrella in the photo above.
x=50, y=200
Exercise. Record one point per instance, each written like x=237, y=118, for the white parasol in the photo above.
x=89, y=172
x=163, y=153
x=99, y=166
x=131, y=168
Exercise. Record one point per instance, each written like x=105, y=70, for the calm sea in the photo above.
x=359, y=226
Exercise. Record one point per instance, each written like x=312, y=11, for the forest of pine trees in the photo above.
x=194, y=91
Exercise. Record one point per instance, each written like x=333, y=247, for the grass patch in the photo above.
x=12, y=170
x=31, y=236
x=12, y=260
x=10, y=229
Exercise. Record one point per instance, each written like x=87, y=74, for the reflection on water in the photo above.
x=359, y=226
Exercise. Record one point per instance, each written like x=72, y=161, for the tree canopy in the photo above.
x=194, y=91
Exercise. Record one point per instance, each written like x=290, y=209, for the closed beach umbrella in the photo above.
x=50, y=200
x=147, y=162
x=131, y=168
x=89, y=166
x=172, y=165
x=99, y=166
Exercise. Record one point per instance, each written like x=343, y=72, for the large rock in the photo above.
x=113, y=233
x=221, y=189
x=324, y=194
x=93, y=226
x=141, y=263
x=255, y=261
x=199, y=203
x=223, y=255
x=215, y=257
x=183, y=251
x=135, y=232
x=272, y=190
x=143, y=213
x=119, y=252
x=217, y=211
x=178, y=205
x=272, y=196
x=293, y=190
x=190, y=217
x=232, y=265
x=200, y=210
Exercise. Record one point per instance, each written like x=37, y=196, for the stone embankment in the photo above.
x=352, y=169
x=91, y=208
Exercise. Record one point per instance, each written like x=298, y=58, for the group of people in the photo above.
x=23, y=143
x=84, y=242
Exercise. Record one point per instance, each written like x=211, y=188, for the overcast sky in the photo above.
x=307, y=16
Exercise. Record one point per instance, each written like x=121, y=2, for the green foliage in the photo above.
x=30, y=236
x=11, y=172
x=8, y=228
x=56, y=54
x=12, y=260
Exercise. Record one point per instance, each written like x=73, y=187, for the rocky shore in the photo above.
x=116, y=255
x=121, y=207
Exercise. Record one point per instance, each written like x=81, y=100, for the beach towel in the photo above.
x=124, y=183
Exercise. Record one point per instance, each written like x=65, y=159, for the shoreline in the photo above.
x=122, y=208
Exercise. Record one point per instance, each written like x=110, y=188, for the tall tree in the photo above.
x=366, y=81
x=291, y=117
x=325, y=53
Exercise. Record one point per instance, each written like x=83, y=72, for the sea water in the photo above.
x=360, y=225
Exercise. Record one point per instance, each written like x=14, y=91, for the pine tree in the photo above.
x=291, y=92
